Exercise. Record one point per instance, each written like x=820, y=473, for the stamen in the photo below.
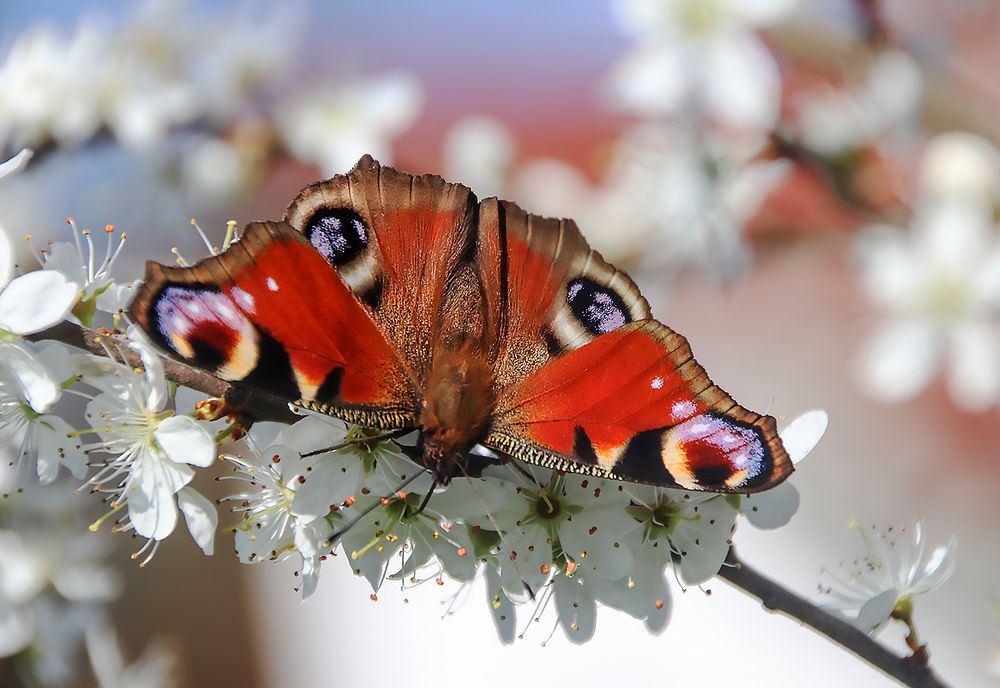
x=95, y=526
x=201, y=233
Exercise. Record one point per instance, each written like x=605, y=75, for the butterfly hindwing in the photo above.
x=547, y=291
x=633, y=404
x=271, y=313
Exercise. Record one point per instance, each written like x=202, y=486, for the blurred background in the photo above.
x=807, y=190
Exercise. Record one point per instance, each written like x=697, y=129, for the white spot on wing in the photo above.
x=271, y=284
x=656, y=382
x=243, y=299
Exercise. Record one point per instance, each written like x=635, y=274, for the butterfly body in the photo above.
x=395, y=301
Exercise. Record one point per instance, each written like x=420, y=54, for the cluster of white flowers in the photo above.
x=536, y=534
x=703, y=94
x=159, y=69
x=215, y=80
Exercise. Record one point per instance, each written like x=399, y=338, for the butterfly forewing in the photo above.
x=270, y=312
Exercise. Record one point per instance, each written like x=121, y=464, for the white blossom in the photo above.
x=151, y=449
x=480, y=152
x=939, y=286
x=269, y=530
x=333, y=126
x=701, y=59
x=883, y=582
x=154, y=669
x=39, y=441
x=884, y=106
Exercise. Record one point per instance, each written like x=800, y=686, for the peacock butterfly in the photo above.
x=402, y=302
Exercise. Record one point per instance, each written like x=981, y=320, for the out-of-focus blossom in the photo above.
x=884, y=107
x=16, y=163
x=154, y=669
x=333, y=126
x=152, y=451
x=160, y=68
x=479, y=152
x=939, y=284
x=881, y=585
x=702, y=60
x=666, y=200
x=53, y=578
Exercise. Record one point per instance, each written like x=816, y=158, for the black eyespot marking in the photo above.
x=339, y=234
x=328, y=391
x=598, y=308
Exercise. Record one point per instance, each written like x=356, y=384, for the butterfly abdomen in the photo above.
x=457, y=407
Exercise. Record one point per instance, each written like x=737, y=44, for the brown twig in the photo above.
x=256, y=406
x=909, y=671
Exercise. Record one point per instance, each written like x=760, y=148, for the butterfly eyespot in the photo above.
x=598, y=308
x=339, y=234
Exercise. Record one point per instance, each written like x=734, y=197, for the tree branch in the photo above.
x=255, y=406
x=910, y=671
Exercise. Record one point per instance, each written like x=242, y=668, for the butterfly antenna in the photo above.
x=358, y=440
x=427, y=498
x=503, y=545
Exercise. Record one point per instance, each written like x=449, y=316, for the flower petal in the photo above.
x=501, y=608
x=899, y=360
x=314, y=433
x=876, y=611
x=326, y=481
x=30, y=375
x=803, y=434
x=938, y=568
x=54, y=441
x=36, y=301
x=153, y=364
x=576, y=608
x=6, y=259
x=201, y=517
x=772, y=508
x=973, y=372
x=704, y=543
x=153, y=511
x=184, y=440
x=16, y=163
